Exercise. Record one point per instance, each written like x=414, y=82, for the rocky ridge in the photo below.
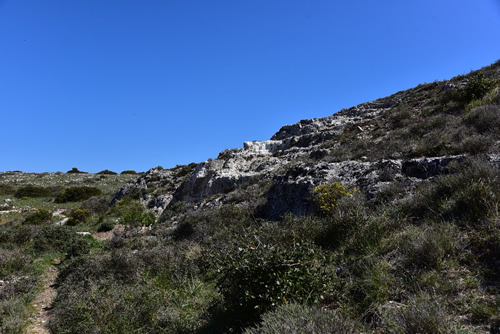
x=295, y=160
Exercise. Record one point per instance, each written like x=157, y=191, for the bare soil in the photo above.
x=43, y=302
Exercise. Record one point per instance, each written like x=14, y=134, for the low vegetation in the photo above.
x=434, y=119
x=32, y=191
x=76, y=194
x=424, y=263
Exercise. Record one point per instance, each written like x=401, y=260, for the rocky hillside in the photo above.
x=382, y=218
x=405, y=138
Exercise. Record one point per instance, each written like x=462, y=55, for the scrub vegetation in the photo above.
x=410, y=259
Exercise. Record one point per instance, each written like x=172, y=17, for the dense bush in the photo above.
x=105, y=306
x=107, y=172
x=38, y=218
x=428, y=246
x=106, y=226
x=132, y=212
x=6, y=189
x=17, y=235
x=142, y=291
x=133, y=172
x=75, y=194
x=32, y=191
x=12, y=261
x=13, y=308
x=78, y=216
x=60, y=239
x=95, y=205
x=349, y=225
x=467, y=196
x=13, y=314
x=485, y=119
x=477, y=87
x=75, y=170
x=255, y=277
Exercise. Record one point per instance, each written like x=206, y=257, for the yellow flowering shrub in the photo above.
x=325, y=196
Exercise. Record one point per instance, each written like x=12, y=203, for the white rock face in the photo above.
x=292, y=164
x=267, y=147
x=294, y=142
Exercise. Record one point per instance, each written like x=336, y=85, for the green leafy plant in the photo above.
x=255, y=277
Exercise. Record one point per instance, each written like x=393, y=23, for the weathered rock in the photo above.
x=447, y=86
x=294, y=161
x=425, y=167
x=155, y=188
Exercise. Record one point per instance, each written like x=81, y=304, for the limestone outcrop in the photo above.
x=294, y=161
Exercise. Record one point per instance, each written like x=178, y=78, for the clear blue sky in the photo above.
x=122, y=84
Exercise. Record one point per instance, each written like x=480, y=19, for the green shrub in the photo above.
x=38, y=218
x=428, y=246
x=106, y=226
x=96, y=205
x=184, y=170
x=468, y=196
x=485, y=119
x=17, y=235
x=75, y=194
x=344, y=225
x=108, y=306
x=132, y=212
x=477, y=144
x=75, y=170
x=477, y=87
x=295, y=318
x=13, y=261
x=255, y=277
x=144, y=291
x=6, y=189
x=14, y=312
x=107, y=172
x=133, y=172
x=60, y=239
x=78, y=216
x=32, y=191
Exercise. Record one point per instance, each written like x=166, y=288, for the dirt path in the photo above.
x=43, y=302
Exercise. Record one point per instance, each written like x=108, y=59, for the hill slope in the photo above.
x=380, y=218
